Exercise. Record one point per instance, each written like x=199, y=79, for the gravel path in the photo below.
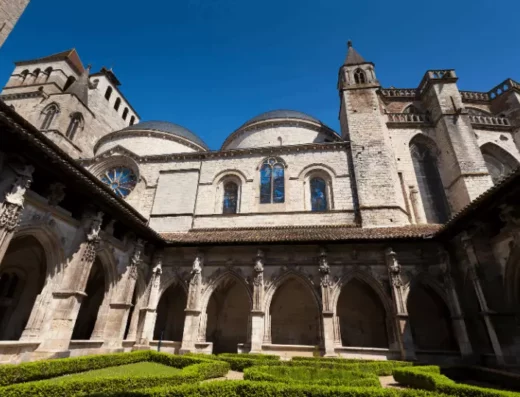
x=231, y=375
x=389, y=381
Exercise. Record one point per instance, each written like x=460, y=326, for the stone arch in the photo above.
x=219, y=183
x=137, y=303
x=171, y=303
x=92, y=315
x=378, y=320
x=430, y=316
x=327, y=175
x=499, y=161
x=226, y=312
x=293, y=309
x=316, y=167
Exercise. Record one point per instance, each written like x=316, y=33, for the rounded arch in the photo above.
x=293, y=311
x=430, y=316
x=317, y=168
x=499, y=161
x=318, y=187
x=120, y=173
x=227, y=313
x=232, y=172
x=228, y=201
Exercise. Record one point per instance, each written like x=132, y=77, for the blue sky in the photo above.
x=210, y=65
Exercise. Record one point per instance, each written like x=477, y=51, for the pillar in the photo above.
x=457, y=317
x=67, y=299
x=12, y=207
x=401, y=319
x=119, y=307
x=148, y=312
x=327, y=311
x=472, y=263
x=192, y=321
x=257, y=314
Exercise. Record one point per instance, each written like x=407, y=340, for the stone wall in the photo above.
x=10, y=12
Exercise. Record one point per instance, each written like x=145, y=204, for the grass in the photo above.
x=137, y=369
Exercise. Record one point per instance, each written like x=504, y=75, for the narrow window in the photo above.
x=498, y=162
x=48, y=72
x=230, y=198
x=318, y=194
x=50, y=113
x=125, y=113
x=69, y=82
x=36, y=74
x=272, y=182
x=117, y=104
x=359, y=77
x=429, y=183
x=132, y=120
x=75, y=122
x=108, y=92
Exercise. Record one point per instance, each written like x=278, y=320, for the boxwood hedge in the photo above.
x=430, y=378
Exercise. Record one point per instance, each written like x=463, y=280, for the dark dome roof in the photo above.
x=282, y=114
x=169, y=128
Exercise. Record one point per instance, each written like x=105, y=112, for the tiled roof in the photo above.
x=297, y=234
x=69, y=55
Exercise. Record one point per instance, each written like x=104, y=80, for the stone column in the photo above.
x=416, y=206
x=191, y=332
x=67, y=299
x=257, y=314
x=12, y=207
x=485, y=312
x=148, y=312
x=402, y=322
x=327, y=311
x=119, y=307
x=457, y=317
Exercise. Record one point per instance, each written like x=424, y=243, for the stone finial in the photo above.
x=22, y=183
x=198, y=263
x=138, y=252
x=95, y=226
x=324, y=268
x=349, y=43
x=394, y=268
x=259, y=261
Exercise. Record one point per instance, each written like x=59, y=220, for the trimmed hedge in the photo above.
x=251, y=356
x=264, y=389
x=312, y=374
x=380, y=368
x=335, y=359
x=430, y=378
x=492, y=376
x=79, y=387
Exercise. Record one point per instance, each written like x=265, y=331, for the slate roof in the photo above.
x=169, y=128
x=353, y=57
x=299, y=234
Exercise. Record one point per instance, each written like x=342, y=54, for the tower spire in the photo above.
x=353, y=57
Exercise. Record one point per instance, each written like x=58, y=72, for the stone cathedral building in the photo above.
x=397, y=237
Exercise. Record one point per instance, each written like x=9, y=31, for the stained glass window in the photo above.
x=318, y=194
x=430, y=184
x=230, y=198
x=272, y=182
x=121, y=180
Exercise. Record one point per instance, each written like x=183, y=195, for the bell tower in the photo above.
x=380, y=199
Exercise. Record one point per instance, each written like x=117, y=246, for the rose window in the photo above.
x=121, y=180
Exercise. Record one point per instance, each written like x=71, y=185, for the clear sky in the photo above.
x=210, y=65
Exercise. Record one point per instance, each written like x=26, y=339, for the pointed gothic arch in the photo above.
x=499, y=161
x=293, y=310
x=227, y=306
x=430, y=316
x=363, y=326
x=424, y=153
x=169, y=323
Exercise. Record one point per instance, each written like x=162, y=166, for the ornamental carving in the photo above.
x=394, y=268
x=445, y=268
x=258, y=280
x=89, y=253
x=11, y=210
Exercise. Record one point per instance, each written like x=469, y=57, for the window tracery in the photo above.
x=50, y=113
x=75, y=123
x=122, y=180
x=272, y=181
x=360, y=77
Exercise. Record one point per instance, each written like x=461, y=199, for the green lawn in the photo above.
x=138, y=369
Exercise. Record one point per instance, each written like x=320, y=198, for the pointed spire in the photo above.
x=353, y=58
x=80, y=86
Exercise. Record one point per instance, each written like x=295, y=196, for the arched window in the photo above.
x=318, y=194
x=125, y=113
x=230, y=202
x=498, y=162
x=75, y=123
x=36, y=74
x=108, y=93
x=50, y=112
x=359, y=77
x=272, y=181
x=48, y=72
x=132, y=120
x=69, y=82
x=117, y=104
x=24, y=75
x=429, y=182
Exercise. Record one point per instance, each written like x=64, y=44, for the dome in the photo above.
x=168, y=128
x=281, y=114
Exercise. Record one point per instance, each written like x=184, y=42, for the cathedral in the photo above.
x=397, y=237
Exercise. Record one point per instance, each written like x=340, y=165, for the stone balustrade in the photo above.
x=408, y=118
x=399, y=92
x=505, y=86
x=489, y=121
x=474, y=96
